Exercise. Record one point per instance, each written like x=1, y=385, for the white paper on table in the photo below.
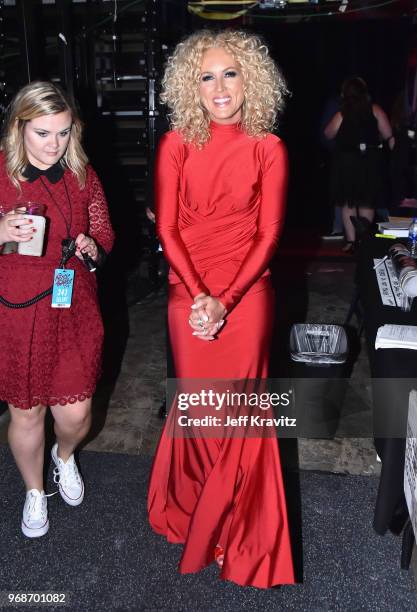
x=398, y=292
x=410, y=464
x=384, y=284
x=396, y=336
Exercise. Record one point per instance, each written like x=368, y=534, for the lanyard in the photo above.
x=67, y=225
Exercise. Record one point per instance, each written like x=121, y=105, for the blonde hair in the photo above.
x=264, y=85
x=31, y=101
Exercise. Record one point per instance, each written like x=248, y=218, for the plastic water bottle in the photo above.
x=412, y=237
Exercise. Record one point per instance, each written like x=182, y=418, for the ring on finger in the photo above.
x=200, y=322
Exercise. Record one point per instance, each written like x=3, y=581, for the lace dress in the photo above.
x=52, y=356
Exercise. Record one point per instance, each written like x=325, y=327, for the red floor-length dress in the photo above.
x=50, y=355
x=220, y=211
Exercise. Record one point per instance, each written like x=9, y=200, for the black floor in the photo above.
x=104, y=555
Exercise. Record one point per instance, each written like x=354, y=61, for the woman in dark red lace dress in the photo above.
x=50, y=356
x=220, y=194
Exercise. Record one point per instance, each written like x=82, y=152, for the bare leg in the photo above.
x=72, y=423
x=347, y=223
x=27, y=443
x=368, y=213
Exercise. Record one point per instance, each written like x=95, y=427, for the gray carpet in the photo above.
x=104, y=555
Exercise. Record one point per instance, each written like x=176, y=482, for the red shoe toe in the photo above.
x=219, y=555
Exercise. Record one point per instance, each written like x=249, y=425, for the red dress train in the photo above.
x=219, y=213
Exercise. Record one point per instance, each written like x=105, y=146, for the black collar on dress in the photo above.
x=53, y=173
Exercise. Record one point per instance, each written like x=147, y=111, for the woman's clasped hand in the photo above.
x=206, y=317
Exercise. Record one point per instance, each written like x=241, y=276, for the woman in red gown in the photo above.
x=50, y=356
x=220, y=185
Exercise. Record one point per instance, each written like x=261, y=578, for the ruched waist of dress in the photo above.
x=211, y=242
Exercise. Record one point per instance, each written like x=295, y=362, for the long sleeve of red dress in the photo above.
x=167, y=179
x=270, y=224
x=199, y=213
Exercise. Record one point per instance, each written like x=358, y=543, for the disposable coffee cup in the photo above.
x=34, y=212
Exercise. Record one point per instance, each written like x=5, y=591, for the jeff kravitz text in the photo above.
x=232, y=409
x=240, y=421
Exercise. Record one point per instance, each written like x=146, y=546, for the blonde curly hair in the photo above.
x=31, y=101
x=264, y=85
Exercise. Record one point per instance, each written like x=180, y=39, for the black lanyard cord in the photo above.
x=30, y=302
x=67, y=225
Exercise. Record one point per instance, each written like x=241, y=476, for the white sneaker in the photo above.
x=35, y=514
x=68, y=478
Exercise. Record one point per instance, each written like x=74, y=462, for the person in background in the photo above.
x=359, y=129
x=50, y=356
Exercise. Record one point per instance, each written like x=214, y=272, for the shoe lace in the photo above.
x=35, y=503
x=66, y=473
